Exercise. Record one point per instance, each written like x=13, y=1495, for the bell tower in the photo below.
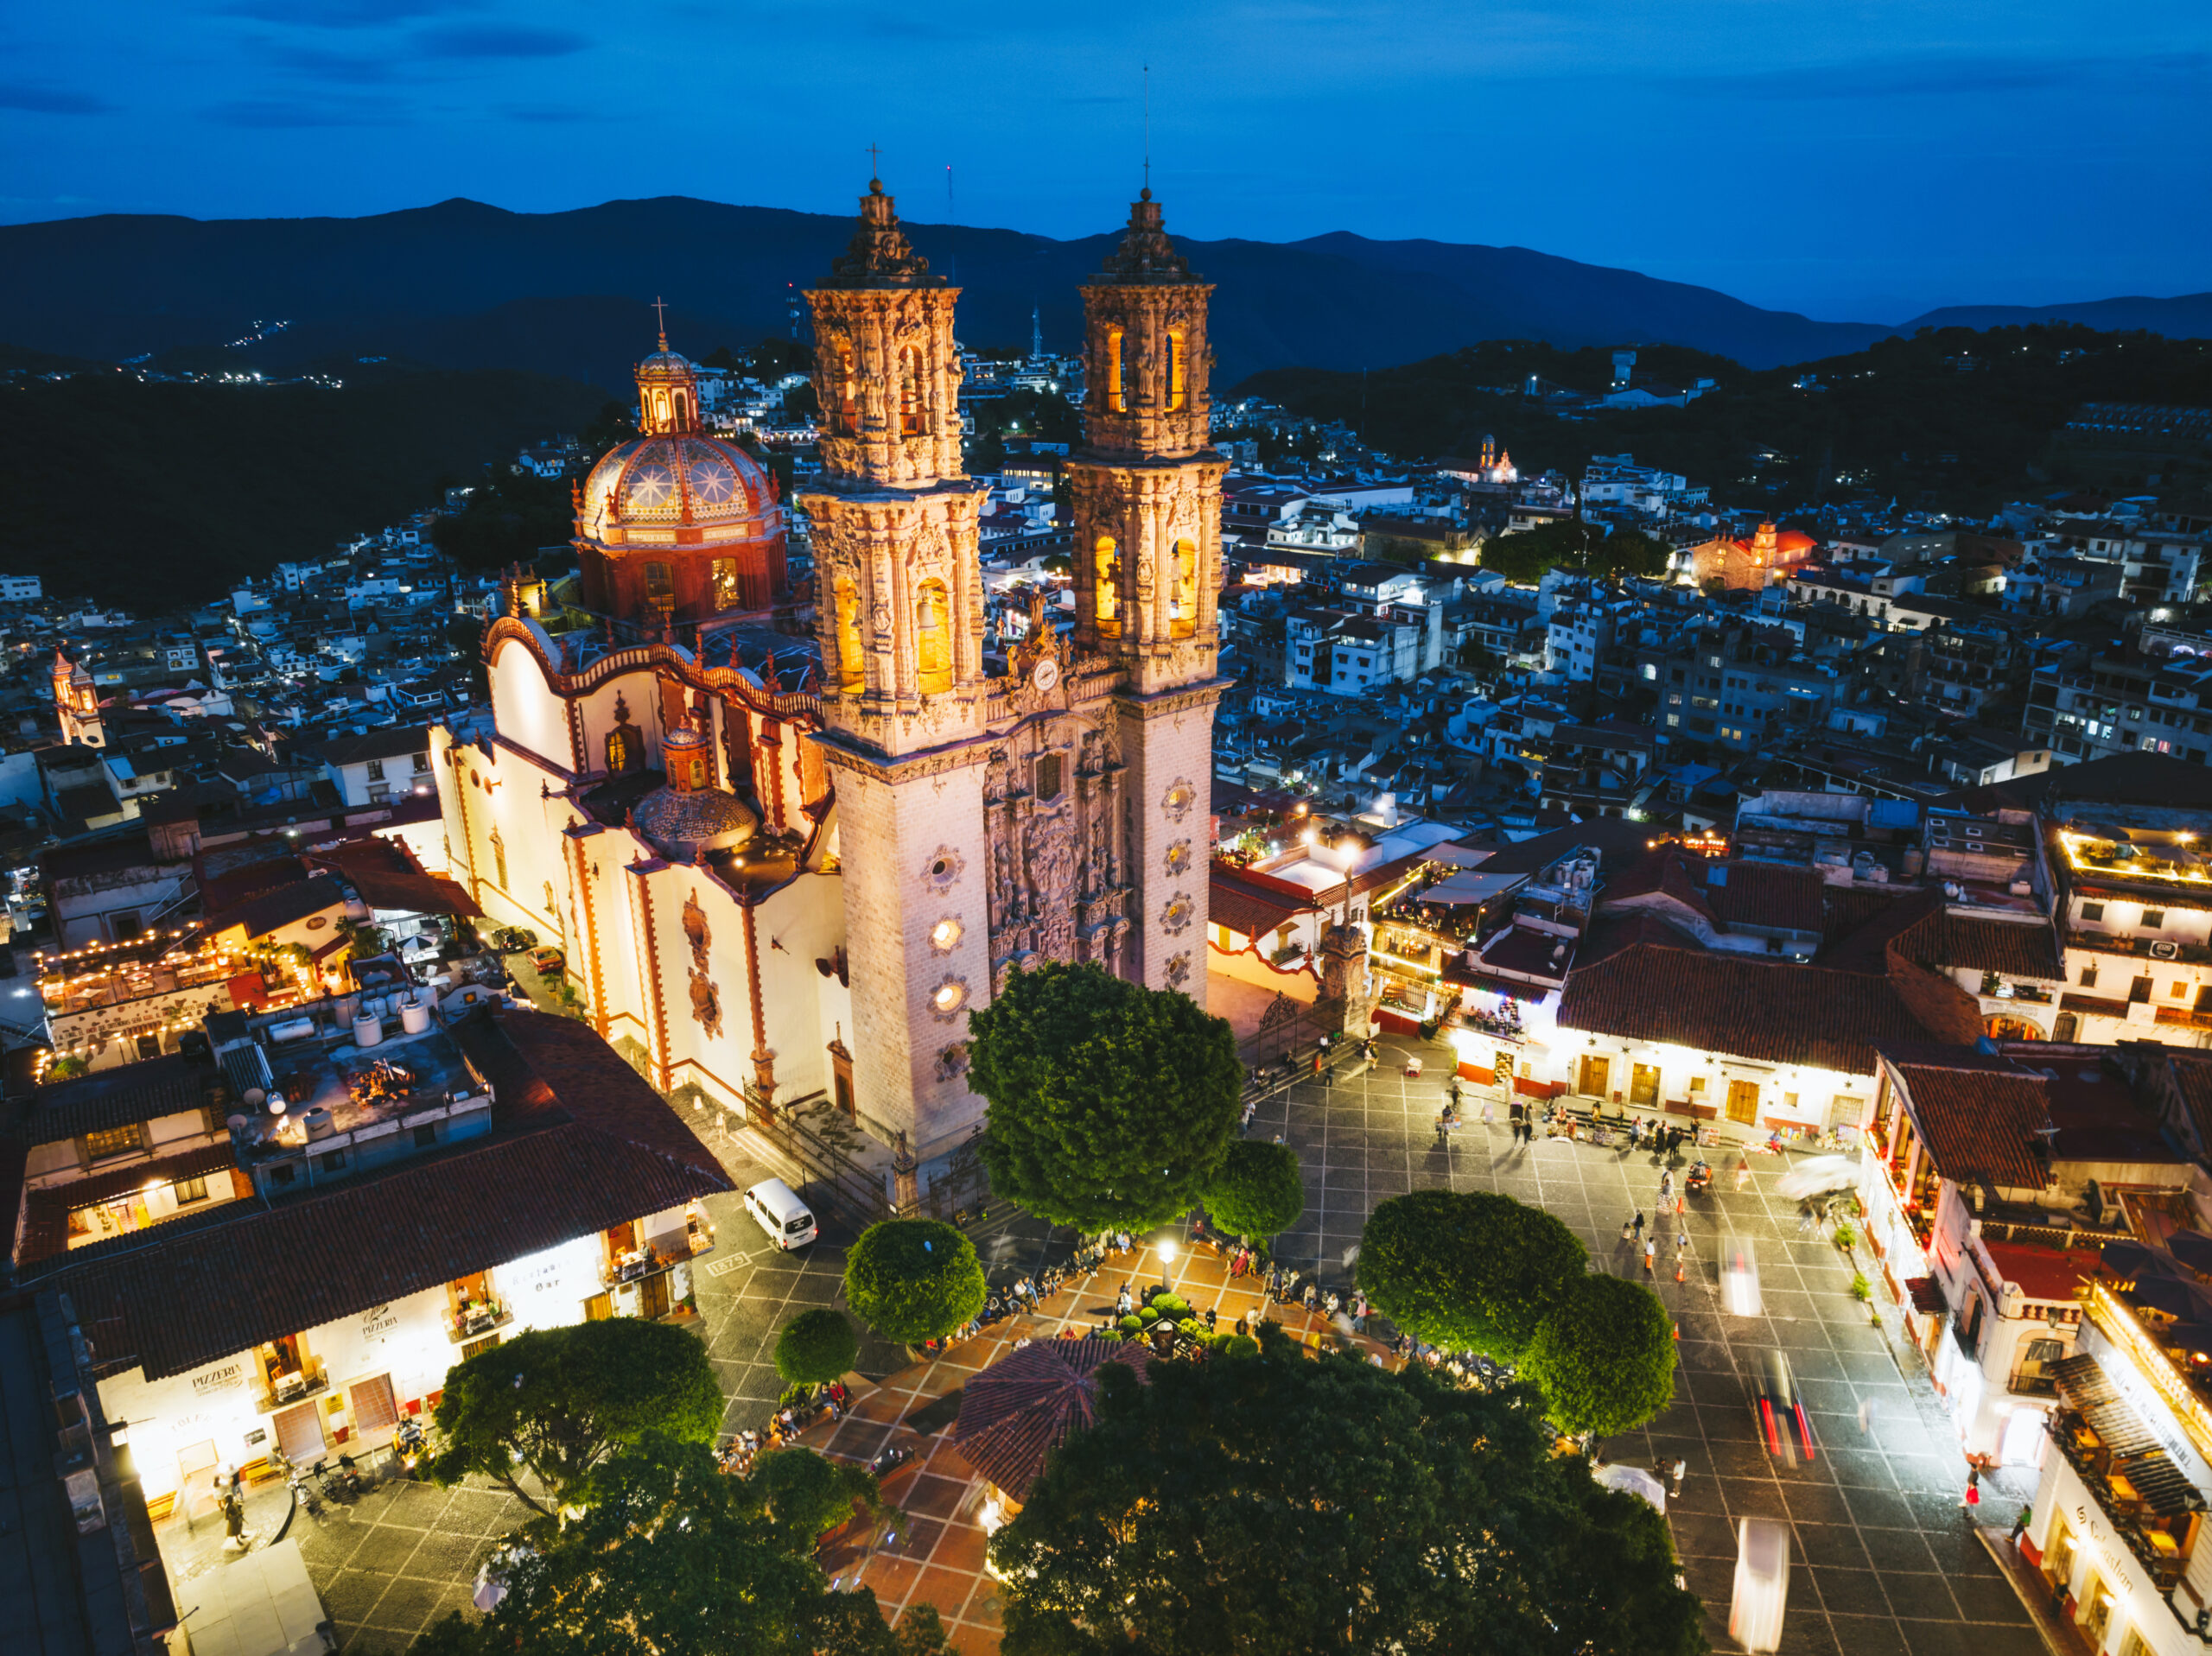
x=899, y=610
x=77, y=704
x=1147, y=491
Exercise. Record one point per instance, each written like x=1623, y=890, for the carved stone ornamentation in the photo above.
x=1178, y=861
x=944, y=869
x=1175, y=918
x=706, y=1004
x=696, y=932
x=952, y=1061
x=1179, y=799
x=1178, y=969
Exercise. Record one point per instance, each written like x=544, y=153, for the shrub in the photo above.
x=1847, y=1236
x=1604, y=1357
x=1259, y=1189
x=817, y=1347
x=915, y=1280
x=1476, y=1271
x=1861, y=1289
x=1173, y=1305
x=1131, y=1324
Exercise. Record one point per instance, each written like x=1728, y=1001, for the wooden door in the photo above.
x=1594, y=1074
x=1744, y=1101
x=1644, y=1084
x=652, y=1296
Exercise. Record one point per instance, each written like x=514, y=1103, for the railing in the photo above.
x=267, y=1399
x=474, y=1322
x=853, y=1185
x=2163, y=1570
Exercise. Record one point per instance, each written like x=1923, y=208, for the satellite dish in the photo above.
x=255, y=1096
x=237, y=1124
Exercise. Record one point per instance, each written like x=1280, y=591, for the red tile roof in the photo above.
x=1033, y=1400
x=580, y=1144
x=1775, y=1012
x=46, y=1212
x=1769, y=894
x=1978, y=1123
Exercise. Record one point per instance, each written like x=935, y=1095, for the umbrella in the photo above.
x=2192, y=1248
x=1633, y=1481
x=2124, y=1259
x=1819, y=1176
x=2170, y=1295
x=2189, y=1336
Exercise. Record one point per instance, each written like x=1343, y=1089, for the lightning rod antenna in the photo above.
x=1147, y=131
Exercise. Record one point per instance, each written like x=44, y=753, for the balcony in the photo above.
x=476, y=1320
x=289, y=1389
x=2131, y=1501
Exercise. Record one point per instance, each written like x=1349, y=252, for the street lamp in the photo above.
x=1166, y=1263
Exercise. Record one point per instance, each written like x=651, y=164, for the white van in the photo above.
x=779, y=1212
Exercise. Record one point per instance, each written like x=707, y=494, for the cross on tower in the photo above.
x=875, y=170
x=660, y=310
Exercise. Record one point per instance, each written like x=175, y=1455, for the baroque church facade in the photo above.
x=791, y=836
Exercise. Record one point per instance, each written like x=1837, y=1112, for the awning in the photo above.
x=2084, y=1387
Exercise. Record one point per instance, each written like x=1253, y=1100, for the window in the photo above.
x=333, y=1162
x=852, y=657
x=1183, y=595
x=657, y=581
x=1176, y=367
x=2090, y=975
x=1117, y=373
x=1105, y=586
x=912, y=421
x=191, y=1190
x=1048, y=777
x=104, y=1142
x=376, y=769
x=422, y=764
x=726, y=593
x=848, y=402
x=426, y=1135
x=932, y=640
x=2153, y=919
x=2093, y=910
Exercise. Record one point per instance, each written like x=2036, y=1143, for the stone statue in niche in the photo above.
x=625, y=743
x=706, y=1004
x=694, y=931
x=1052, y=864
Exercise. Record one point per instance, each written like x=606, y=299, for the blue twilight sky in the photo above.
x=1859, y=159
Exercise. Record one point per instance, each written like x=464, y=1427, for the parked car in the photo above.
x=548, y=962
x=514, y=939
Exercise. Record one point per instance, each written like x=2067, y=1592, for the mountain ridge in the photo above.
x=449, y=276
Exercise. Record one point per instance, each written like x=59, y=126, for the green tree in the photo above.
x=669, y=1556
x=558, y=1401
x=1110, y=1103
x=1258, y=1191
x=1603, y=1358
x=1469, y=1271
x=915, y=1280
x=1270, y=1503
x=817, y=1347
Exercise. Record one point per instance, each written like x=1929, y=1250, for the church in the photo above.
x=790, y=833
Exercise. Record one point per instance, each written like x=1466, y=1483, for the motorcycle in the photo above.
x=407, y=1445
x=890, y=1461
x=1700, y=1178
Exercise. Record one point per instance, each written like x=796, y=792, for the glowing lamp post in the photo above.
x=1167, y=1263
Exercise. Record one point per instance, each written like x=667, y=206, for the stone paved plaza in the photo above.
x=1885, y=1559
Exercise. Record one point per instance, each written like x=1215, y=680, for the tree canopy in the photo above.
x=1603, y=1357
x=1584, y=548
x=558, y=1401
x=1110, y=1103
x=915, y=1280
x=1271, y=1503
x=817, y=1347
x=1258, y=1191
x=671, y=1557
x=1467, y=1270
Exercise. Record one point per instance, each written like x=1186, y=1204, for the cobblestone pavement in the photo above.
x=1884, y=1560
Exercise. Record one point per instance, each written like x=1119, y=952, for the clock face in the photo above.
x=1047, y=674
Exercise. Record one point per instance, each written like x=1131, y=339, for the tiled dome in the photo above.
x=649, y=480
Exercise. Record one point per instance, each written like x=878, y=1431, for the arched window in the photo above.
x=660, y=410
x=1178, y=369
x=848, y=394
x=728, y=592
x=1183, y=591
x=932, y=640
x=911, y=422
x=683, y=412
x=1117, y=377
x=852, y=657
x=1106, y=585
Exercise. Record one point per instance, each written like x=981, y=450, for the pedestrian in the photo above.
x=1866, y=1416
x=1743, y=1170
x=1212, y=1317
x=1274, y=1278
x=1490, y=1111
x=1312, y=1296
x=2020, y=1525
x=1331, y=1302
x=1681, y=1467
x=1243, y=1329
x=1666, y=1187
x=1650, y=1253
x=1682, y=1240
x=1627, y=1226
x=1123, y=1306
x=1244, y=1126
x=1972, y=1499
x=1637, y=1224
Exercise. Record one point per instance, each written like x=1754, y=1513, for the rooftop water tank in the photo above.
x=368, y=1032
x=413, y=1018
x=318, y=1122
